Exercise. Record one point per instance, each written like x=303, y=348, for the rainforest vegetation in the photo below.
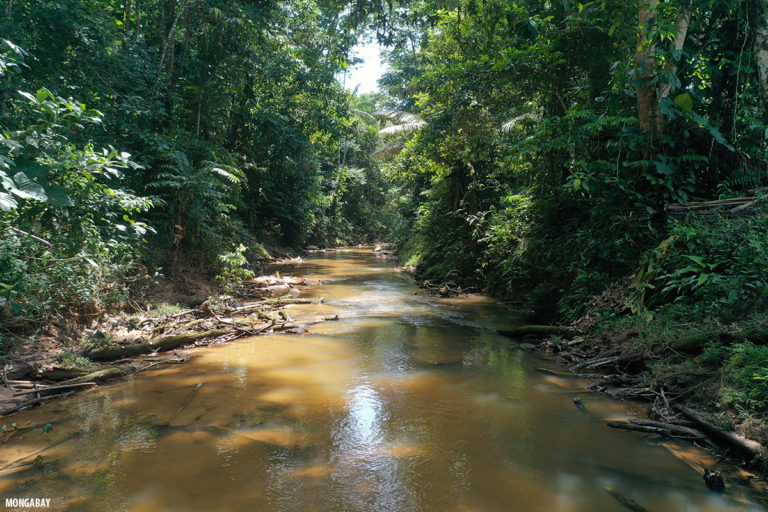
x=603, y=162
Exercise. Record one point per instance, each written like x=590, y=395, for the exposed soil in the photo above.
x=186, y=314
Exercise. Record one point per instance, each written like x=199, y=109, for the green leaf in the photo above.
x=57, y=196
x=33, y=170
x=696, y=259
x=42, y=95
x=685, y=102
x=28, y=96
x=27, y=189
x=7, y=202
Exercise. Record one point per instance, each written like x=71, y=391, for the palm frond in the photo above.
x=388, y=152
x=404, y=122
x=509, y=125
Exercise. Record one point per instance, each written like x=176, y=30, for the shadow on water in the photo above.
x=408, y=403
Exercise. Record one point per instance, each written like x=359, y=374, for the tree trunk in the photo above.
x=648, y=111
x=127, y=19
x=137, y=25
x=761, y=47
x=168, y=41
x=683, y=22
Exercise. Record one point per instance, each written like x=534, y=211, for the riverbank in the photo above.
x=679, y=376
x=620, y=362
x=406, y=384
x=685, y=375
x=124, y=343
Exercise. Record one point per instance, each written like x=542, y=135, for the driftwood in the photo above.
x=547, y=371
x=580, y=366
x=57, y=373
x=270, y=303
x=609, y=357
x=186, y=401
x=657, y=427
x=99, y=376
x=536, y=330
x=630, y=393
x=160, y=345
x=626, y=502
x=733, y=205
x=22, y=384
x=59, y=388
x=29, y=403
x=157, y=363
x=745, y=446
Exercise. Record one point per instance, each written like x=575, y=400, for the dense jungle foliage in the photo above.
x=141, y=136
x=543, y=150
x=555, y=135
x=601, y=157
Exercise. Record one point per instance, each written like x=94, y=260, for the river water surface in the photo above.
x=408, y=403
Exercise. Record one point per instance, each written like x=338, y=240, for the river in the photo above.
x=408, y=403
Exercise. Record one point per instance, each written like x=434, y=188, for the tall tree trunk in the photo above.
x=761, y=47
x=169, y=39
x=683, y=22
x=127, y=19
x=648, y=111
x=137, y=24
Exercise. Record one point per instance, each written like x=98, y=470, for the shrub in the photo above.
x=233, y=269
x=746, y=377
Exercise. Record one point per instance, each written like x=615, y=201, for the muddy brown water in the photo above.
x=408, y=403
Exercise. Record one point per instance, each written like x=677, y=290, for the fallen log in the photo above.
x=580, y=366
x=62, y=387
x=547, y=371
x=537, y=330
x=157, y=363
x=160, y=345
x=631, y=393
x=657, y=427
x=608, y=358
x=99, y=376
x=741, y=444
x=57, y=373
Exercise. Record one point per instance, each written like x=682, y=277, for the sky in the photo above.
x=367, y=72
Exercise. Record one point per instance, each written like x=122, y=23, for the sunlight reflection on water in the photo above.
x=408, y=403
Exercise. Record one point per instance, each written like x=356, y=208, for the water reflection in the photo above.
x=408, y=403
x=365, y=463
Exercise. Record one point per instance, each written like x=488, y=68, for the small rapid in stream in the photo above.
x=408, y=403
